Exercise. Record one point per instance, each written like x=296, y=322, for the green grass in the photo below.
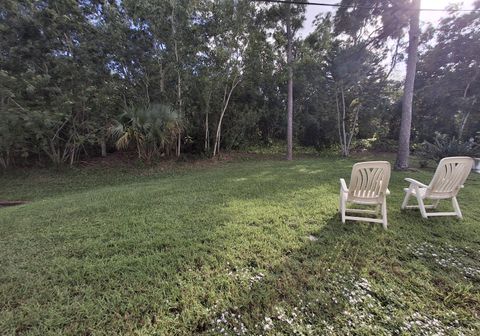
x=227, y=250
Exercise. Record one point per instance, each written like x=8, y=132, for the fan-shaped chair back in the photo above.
x=369, y=180
x=449, y=177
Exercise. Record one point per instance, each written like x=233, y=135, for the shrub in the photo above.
x=384, y=145
x=444, y=146
x=152, y=130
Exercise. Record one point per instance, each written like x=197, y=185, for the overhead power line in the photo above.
x=359, y=7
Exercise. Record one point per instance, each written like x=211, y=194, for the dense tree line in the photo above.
x=198, y=76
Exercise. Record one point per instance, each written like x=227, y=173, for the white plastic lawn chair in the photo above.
x=449, y=177
x=368, y=186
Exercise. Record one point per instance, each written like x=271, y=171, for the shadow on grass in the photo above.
x=117, y=257
x=351, y=278
x=173, y=255
x=307, y=290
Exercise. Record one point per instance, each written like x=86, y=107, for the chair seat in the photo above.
x=422, y=191
x=365, y=201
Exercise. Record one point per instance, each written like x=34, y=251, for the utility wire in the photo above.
x=359, y=7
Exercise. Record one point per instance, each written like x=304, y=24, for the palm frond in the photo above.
x=151, y=128
x=123, y=141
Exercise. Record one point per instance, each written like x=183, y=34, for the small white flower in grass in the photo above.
x=268, y=323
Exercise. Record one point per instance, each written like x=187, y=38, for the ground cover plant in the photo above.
x=250, y=247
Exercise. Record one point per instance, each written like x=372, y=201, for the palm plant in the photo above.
x=444, y=146
x=152, y=129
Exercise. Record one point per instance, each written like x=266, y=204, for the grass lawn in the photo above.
x=254, y=248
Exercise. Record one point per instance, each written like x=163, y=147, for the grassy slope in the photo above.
x=227, y=250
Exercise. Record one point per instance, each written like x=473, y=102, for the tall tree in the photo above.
x=448, y=79
x=230, y=48
x=406, y=124
x=290, y=19
x=290, y=84
x=389, y=18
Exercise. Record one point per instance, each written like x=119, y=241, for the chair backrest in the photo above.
x=369, y=180
x=450, y=176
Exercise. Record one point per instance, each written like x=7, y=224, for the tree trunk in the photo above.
x=162, y=78
x=406, y=123
x=103, y=147
x=207, y=112
x=179, y=79
x=340, y=137
x=344, y=116
x=290, y=87
x=179, y=143
x=226, y=100
x=180, y=103
x=207, y=142
x=147, y=90
x=352, y=129
x=463, y=123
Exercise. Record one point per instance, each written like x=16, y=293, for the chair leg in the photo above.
x=435, y=204
x=342, y=206
x=421, y=206
x=458, y=212
x=384, y=214
x=405, y=200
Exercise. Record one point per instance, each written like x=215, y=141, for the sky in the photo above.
x=426, y=17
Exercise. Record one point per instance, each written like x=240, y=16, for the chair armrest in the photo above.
x=343, y=185
x=419, y=184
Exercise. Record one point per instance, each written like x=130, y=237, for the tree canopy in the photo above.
x=72, y=70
